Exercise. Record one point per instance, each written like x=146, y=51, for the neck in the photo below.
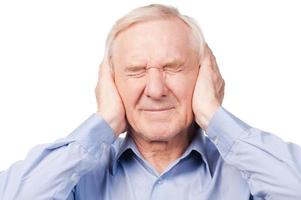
x=160, y=154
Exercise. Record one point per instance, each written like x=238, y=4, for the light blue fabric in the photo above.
x=231, y=162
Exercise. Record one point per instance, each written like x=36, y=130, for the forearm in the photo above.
x=271, y=166
x=51, y=171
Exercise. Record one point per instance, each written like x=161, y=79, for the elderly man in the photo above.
x=160, y=83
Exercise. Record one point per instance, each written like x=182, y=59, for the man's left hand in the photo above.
x=209, y=90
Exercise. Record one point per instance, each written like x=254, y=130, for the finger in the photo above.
x=205, y=59
x=216, y=68
x=207, y=52
x=105, y=70
x=213, y=61
x=212, y=58
x=222, y=91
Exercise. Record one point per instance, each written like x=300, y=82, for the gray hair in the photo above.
x=152, y=12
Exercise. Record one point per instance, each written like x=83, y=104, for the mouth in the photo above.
x=157, y=109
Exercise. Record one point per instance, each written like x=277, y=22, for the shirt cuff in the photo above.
x=224, y=129
x=94, y=132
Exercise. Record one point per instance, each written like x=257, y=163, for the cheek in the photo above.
x=182, y=88
x=130, y=91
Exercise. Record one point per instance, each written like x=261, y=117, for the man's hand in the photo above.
x=109, y=103
x=209, y=90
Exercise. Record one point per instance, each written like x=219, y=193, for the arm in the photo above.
x=271, y=166
x=51, y=171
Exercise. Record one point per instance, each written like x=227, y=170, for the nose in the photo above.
x=155, y=84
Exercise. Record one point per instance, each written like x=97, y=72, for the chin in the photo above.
x=158, y=137
x=159, y=131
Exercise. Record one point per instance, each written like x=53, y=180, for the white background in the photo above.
x=50, y=52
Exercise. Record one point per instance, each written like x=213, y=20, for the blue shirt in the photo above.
x=231, y=161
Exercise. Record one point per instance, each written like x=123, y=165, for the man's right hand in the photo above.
x=109, y=103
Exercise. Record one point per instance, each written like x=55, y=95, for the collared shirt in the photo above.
x=231, y=161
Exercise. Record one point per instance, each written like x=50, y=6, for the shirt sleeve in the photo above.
x=50, y=171
x=271, y=166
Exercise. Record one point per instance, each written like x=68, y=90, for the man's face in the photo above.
x=156, y=69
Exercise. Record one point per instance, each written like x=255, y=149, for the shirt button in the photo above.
x=160, y=181
x=74, y=178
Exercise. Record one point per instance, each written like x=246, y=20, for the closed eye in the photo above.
x=172, y=68
x=135, y=71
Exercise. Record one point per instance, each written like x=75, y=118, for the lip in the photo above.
x=157, y=109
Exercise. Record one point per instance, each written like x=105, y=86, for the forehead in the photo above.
x=155, y=40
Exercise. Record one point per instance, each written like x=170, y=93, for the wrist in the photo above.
x=113, y=122
x=204, y=117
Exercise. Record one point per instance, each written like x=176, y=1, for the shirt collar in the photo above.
x=198, y=144
x=126, y=144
